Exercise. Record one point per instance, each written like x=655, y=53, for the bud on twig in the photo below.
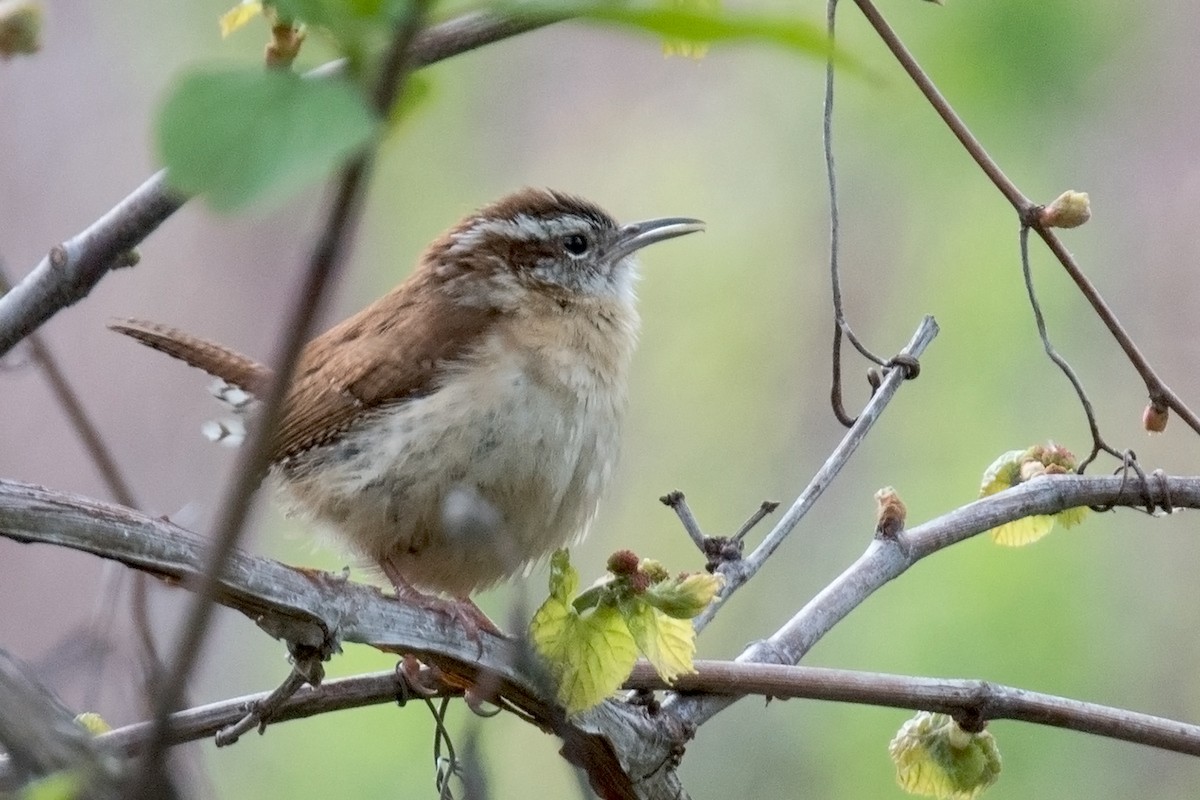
x=890, y=513
x=1155, y=417
x=1069, y=210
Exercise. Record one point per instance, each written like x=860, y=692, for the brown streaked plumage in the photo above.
x=466, y=423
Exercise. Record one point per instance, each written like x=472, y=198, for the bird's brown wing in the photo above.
x=213, y=358
x=394, y=349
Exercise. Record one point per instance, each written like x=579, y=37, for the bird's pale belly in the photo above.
x=467, y=485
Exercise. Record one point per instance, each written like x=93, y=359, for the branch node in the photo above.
x=59, y=258
x=907, y=362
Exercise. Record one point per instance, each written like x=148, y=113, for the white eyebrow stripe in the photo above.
x=524, y=227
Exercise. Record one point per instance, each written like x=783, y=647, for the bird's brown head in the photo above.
x=546, y=243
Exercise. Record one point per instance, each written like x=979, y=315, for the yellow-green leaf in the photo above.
x=1003, y=473
x=1071, y=517
x=92, y=722
x=683, y=47
x=695, y=22
x=934, y=757
x=564, y=580
x=590, y=654
x=667, y=643
x=237, y=17
x=55, y=786
x=685, y=596
x=1023, y=531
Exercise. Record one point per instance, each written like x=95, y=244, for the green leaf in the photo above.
x=1016, y=467
x=934, y=757
x=685, y=596
x=564, y=580
x=667, y=643
x=1003, y=473
x=239, y=16
x=1023, y=531
x=240, y=136
x=591, y=654
x=695, y=23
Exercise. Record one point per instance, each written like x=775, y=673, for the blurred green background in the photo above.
x=729, y=393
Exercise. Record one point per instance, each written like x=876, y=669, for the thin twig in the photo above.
x=118, y=486
x=1158, y=391
x=737, y=573
x=840, y=324
x=678, y=503
x=323, y=266
x=767, y=507
x=261, y=712
x=1098, y=443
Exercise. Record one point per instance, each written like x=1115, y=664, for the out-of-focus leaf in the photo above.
x=238, y=136
x=695, y=24
x=57, y=786
x=239, y=16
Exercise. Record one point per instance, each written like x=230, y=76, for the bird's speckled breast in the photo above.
x=502, y=463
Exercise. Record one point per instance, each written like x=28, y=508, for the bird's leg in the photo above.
x=461, y=609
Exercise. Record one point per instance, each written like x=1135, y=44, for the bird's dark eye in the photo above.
x=575, y=243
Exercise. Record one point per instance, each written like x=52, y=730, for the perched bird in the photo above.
x=465, y=424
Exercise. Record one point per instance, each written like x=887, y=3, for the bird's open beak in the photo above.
x=637, y=235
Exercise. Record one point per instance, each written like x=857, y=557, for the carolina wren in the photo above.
x=465, y=424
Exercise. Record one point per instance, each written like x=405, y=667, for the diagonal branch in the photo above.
x=887, y=558
x=1160, y=394
x=737, y=573
x=67, y=274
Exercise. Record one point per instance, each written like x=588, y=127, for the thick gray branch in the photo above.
x=318, y=610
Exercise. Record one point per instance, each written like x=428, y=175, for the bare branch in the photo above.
x=738, y=572
x=886, y=559
x=973, y=699
x=68, y=273
x=319, y=610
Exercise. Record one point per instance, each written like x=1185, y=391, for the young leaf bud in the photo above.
x=1154, y=418
x=1069, y=210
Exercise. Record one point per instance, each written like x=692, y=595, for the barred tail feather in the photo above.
x=213, y=358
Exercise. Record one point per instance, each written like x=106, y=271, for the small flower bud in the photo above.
x=1154, y=418
x=623, y=562
x=889, y=514
x=1069, y=210
x=654, y=570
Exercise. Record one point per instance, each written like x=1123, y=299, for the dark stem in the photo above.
x=327, y=257
x=1098, y=443
x=841, y=325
